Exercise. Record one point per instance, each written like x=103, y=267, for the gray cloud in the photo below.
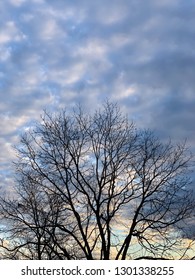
x=57, y=53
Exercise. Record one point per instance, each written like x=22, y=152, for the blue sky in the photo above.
x=54, y=54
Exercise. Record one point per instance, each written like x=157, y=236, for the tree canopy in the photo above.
x=93, y=186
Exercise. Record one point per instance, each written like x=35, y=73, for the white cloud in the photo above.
x=5, y=53
x=17, y=3
x=10, y=124
x=10, y=33
x=94, y=48
x=50, y=30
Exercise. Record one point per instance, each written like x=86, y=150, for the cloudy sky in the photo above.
x=140, y=53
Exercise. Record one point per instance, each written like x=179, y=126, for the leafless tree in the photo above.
x=95, y=187
x=31, y=231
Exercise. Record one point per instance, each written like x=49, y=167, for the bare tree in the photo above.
x=94, y=187
x=31, y=231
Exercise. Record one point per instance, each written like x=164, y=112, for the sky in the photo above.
x=55, y=54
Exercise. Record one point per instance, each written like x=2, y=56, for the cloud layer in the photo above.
x=57, y=53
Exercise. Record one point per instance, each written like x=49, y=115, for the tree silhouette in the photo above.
x=95, y=187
